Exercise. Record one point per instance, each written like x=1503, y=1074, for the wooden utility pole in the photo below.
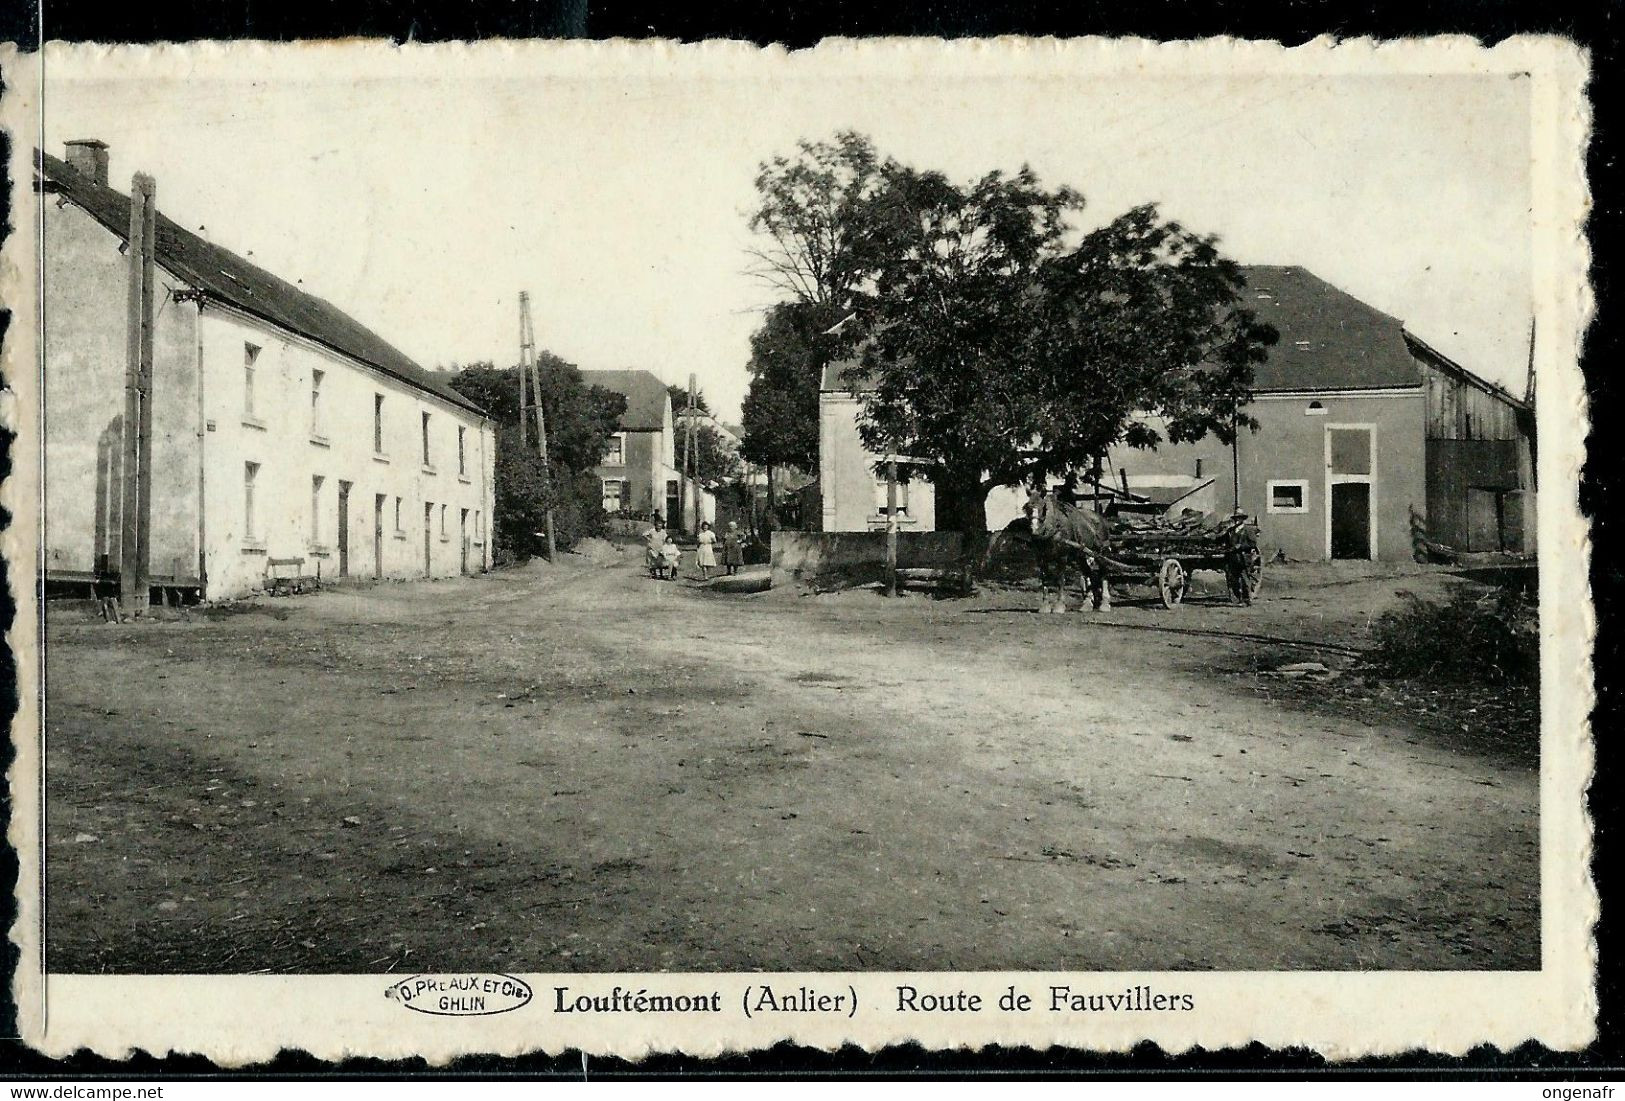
x=527, y=348
x=527, y=362
x=694, y=452
x=136, y=513
x=891, y=525
x=1235, y=466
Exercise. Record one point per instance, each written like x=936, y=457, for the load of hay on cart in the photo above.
x=1161, y=550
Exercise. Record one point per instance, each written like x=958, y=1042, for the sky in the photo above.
x=422, y=194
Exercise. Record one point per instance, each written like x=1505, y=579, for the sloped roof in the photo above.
x=833, y=380
x=1330, y=340
x=226, y=277
x=1450, y=367
x=646, y=397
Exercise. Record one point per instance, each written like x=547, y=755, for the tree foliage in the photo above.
x=715, y=460
x=812, y=218
x=679, y=398
x=1001, y=342
x=525, y=492
x=787, y=359
x=580, y=420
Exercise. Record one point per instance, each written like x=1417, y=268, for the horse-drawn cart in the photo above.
x=1164, y=551
x=1123, y=545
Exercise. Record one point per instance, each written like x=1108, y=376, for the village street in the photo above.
x=580, y=769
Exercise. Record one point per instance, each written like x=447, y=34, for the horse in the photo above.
x=1063, y=534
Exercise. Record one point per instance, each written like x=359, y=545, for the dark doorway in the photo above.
x=344, y=529
x=378, y=535
x=1351, y=520
x=462, y=540
x=428, y=546
x=674, y=504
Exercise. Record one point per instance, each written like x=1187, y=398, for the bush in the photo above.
x=578, y=511
x=1476, y=635
x=524, y=493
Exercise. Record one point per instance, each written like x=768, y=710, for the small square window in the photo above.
x=1289, y=496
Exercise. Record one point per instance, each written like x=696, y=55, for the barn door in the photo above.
x=1488, y=526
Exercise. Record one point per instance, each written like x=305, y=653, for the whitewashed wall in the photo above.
x=292, y=518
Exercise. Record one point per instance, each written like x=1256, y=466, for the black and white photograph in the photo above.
x=689, y=512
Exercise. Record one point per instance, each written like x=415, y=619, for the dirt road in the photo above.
x=585, y=769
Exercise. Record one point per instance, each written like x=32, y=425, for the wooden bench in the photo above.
x=286, y=576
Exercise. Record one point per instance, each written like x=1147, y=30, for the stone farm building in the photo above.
x=282, y=427
x=1370, y=444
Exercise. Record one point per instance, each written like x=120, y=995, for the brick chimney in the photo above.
x=88, y=157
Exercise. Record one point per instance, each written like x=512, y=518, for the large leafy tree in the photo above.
x=1003, y=345
x=580, y=420
x=812, y=221
x=787, y=358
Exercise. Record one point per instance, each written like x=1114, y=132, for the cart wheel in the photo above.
x=1249, y=574
x=1171, y=583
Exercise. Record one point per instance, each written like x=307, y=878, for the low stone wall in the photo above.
x=840, y=559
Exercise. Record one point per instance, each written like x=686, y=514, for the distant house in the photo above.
x=1370, y=443
x=730, y=434
x=639, y=471
x=282, y=427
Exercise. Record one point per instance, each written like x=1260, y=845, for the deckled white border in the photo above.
x=242, y=1019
